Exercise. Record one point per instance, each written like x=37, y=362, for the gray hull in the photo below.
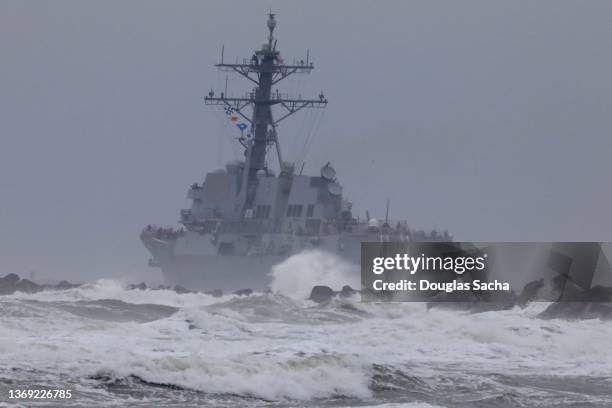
x=193, y=262
x=228, y=273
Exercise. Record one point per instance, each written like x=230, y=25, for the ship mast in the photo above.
x=265, y=69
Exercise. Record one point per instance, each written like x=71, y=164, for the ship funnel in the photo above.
x=271, y=22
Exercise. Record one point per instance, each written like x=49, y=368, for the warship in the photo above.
x=245, y=218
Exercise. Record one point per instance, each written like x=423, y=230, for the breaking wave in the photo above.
x=275, y=348
x=296, y=276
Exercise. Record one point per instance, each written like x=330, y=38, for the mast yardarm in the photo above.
x=265, y=68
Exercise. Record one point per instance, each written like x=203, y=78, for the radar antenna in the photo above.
x=265, y=69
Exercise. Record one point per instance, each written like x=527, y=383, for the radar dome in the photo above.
x=271, y=22
x=373, y=223
x=328, y=172
x=261, y=173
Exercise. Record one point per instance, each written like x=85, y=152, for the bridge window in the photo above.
x=310, y=210
x=294, y=210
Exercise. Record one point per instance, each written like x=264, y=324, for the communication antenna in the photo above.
x=387, y=213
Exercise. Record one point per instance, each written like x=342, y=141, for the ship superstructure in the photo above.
x=245, y=218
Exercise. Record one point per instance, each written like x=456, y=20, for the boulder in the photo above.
x=65, y=285
x=140, y=286
x=7, y=284
x=321, y=294
x=243, y=292
x=10, y=279
x=214, y=293
x=27, y=286
x=180, y=290
x=12, y=283
x=530, y=292
x=346, y=291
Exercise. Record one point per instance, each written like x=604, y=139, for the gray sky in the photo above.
x=489, y=119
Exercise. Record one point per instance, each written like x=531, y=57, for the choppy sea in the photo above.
x=144, y=348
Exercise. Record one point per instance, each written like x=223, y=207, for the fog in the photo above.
x=489, y=119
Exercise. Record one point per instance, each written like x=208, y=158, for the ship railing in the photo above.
x=159, y=232
x=401, y=228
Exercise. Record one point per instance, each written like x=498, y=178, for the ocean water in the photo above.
x=118, y=347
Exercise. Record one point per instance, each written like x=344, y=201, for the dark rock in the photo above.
x=214, y=293
x=180, y=290
x=10, y=279
x=191, y=325
x=530, y=292
x=6, y=289
x=321, y=294
x=27, y=286
x=12, y=283
x=7, y=284
x=587, y=304
x=140, y=286
x=347, y=291
x=243, y=292
x=577, y=310
x=63, y=285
